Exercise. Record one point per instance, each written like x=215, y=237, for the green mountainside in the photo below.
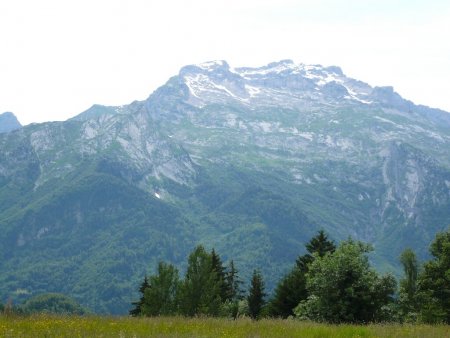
x=251, y=161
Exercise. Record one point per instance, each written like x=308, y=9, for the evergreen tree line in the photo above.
x=208, y=288
x=329, y=283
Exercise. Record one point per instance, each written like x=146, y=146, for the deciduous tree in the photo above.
x=161, y=298
x=434, y=282
x=408, y=285
x=342, y=287
x=200, y=292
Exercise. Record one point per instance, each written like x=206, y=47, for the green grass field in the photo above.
x=96, y=326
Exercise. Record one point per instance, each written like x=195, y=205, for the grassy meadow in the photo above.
x=96, y=326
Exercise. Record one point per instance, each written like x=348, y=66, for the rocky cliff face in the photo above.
x=251, y=161
x=315, y=127
x=8, y=122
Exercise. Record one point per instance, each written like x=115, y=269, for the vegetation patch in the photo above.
x=96, y=326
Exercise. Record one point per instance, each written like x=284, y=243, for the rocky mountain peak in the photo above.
x=8, y=122
x=209, y=67
x=279, y=83
x=251, y=159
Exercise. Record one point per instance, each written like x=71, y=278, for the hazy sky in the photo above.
x=58, y=57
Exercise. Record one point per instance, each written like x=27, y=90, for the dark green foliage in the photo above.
x=256, y=295
x=319, y=245
x=342, y=287
x=234, y=292
x=234, y=283
x=408, y=285
x=92, y=221
x=160, y=299
x=338, y=286
x=137, y=310
x=289, y=292
x=100, y=219
x=291, y=289
x=434, y=282
x=410, y=269
x=52, y=303
x=80, y=194
x=200, y=292
x=219, y=269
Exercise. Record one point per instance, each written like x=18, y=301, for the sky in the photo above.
x=59, y=57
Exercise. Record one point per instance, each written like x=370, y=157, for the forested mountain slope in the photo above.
x=251, y=161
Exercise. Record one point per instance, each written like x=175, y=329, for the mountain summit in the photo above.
x=251, y=161
x=254, y=86
x=8, y=122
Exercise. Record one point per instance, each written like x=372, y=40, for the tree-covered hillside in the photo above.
x=250, y=161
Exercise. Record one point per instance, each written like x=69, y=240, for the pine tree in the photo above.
x=256, y=295
x=137, y=311
x=288, y=293
x=230, y=307
x=319, y=245
x=219, y=269
x=292, y=287
x=233, y=283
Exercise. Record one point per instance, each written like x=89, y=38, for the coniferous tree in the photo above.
x=137, y=310
x=219, y=269
x=292, y=287
x=256, y=295
x=288, y=293
x=230, y=306
x=234, y=283
x=319, y=245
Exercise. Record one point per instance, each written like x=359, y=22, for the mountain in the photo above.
x=251, y=161
x=8, y=122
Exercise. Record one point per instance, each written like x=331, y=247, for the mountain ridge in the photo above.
x=251, y=161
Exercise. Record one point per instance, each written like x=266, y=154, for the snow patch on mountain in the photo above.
x=211, y=65
x=307, y=135
x=252, y=91
x=215, y=81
